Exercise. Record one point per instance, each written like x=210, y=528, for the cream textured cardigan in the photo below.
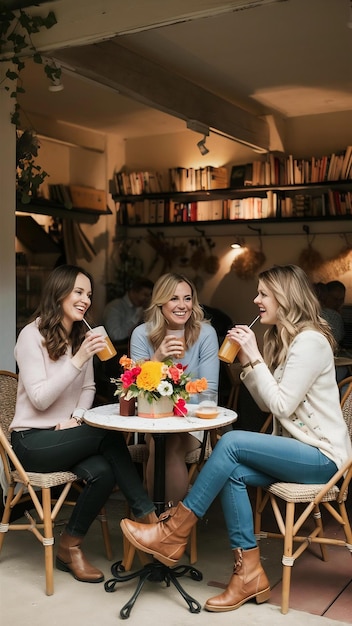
x=303, y=396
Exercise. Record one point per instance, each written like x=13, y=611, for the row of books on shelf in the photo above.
x=331, y=203
x=287, y=170
x=175, y=179
x=271, y=170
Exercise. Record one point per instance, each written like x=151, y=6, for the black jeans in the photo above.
x=99, y=457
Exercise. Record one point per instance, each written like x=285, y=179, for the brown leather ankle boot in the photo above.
x=129, y=550
x=167, y=539
x=248, y=581
x=70, y=558
x=150, y=518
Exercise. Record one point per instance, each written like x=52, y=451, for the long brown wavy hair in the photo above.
x=298, y=310
x=164, y=290
x=58, y=286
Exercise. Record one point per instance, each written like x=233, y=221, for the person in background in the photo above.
x=221, y=322
x=309, y=442
x=174, y=306
x=335, y=295
x=121, y=315
x=331, y=297
x=54, y=354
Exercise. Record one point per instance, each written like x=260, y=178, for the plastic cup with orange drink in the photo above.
x=230, y=348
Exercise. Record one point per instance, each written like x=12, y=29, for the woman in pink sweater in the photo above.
x=56, y=385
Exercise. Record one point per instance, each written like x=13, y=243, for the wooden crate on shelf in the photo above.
x=88, y=197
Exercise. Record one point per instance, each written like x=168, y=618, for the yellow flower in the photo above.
x=150, y=375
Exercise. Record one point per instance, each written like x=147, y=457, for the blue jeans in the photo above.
x=99, y=457
x=243, y=458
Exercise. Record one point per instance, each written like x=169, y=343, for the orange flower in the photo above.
x=197, y=386
x=126, y=362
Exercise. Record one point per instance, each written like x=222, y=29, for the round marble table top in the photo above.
x=108, y=416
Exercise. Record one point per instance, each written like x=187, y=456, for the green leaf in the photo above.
x=37, y=58
x=50, y=20
x=11, y=75
x=25, y=198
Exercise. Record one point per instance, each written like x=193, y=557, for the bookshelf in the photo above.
x=276, y=187
x=323, y=201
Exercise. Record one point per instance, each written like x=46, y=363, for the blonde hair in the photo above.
x=163, y=292
x=298, y=310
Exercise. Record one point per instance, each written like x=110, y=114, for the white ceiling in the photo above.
x=291, y=58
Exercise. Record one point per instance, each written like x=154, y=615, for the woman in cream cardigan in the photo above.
x=295, y=381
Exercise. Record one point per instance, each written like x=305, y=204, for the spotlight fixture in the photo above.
x=202, y=147
x=55, y=85
x=53, y=72
x=238, y=243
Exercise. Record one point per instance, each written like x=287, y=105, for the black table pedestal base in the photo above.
x=154, y=572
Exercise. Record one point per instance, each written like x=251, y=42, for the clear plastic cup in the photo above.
x=228, y=350
x=180, y=334
x=109, y=351
x=208, y=404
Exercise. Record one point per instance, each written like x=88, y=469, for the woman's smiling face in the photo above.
x=179, y=308
x=75, y=305
x=267, y=303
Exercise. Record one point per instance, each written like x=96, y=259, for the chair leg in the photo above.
x=193, y=554
x=48, y=541
x=129, y=552
x=287, y=560
x=102, y=517
x=6, y=515
x=319, y=525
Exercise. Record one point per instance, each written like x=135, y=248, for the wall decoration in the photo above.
x=247, y=264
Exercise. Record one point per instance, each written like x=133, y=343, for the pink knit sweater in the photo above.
x=48, y=391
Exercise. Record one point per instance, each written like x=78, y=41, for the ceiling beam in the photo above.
x=80, y=22
x=143, y=80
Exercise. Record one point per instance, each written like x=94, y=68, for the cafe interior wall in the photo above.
x=224, y=289
x=304, y=137
x=73, y=164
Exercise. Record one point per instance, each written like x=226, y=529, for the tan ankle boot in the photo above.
x=167, y=539
x=129, y=550
x=248, y=581
x=150, y=518
x=70, y=558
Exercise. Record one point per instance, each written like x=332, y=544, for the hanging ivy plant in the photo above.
x=16, y=45
x=29, y=175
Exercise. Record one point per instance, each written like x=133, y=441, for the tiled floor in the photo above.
x=320, y=592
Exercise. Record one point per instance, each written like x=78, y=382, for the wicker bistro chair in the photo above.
x=26, y=486
x=330, y=496
x=195, y=461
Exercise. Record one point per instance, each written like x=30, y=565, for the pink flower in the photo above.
x=129, y=376
x=180, y=408
x=175, y=373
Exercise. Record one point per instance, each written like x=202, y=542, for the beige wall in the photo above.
x=281, y=243
x=225, y=290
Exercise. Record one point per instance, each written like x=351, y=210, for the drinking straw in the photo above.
x=251, y=324
x=90, y=328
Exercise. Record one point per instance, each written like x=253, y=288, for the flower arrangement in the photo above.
x=156, y=379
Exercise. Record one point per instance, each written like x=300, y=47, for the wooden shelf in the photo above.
x=238, y=192
x=46, y=207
